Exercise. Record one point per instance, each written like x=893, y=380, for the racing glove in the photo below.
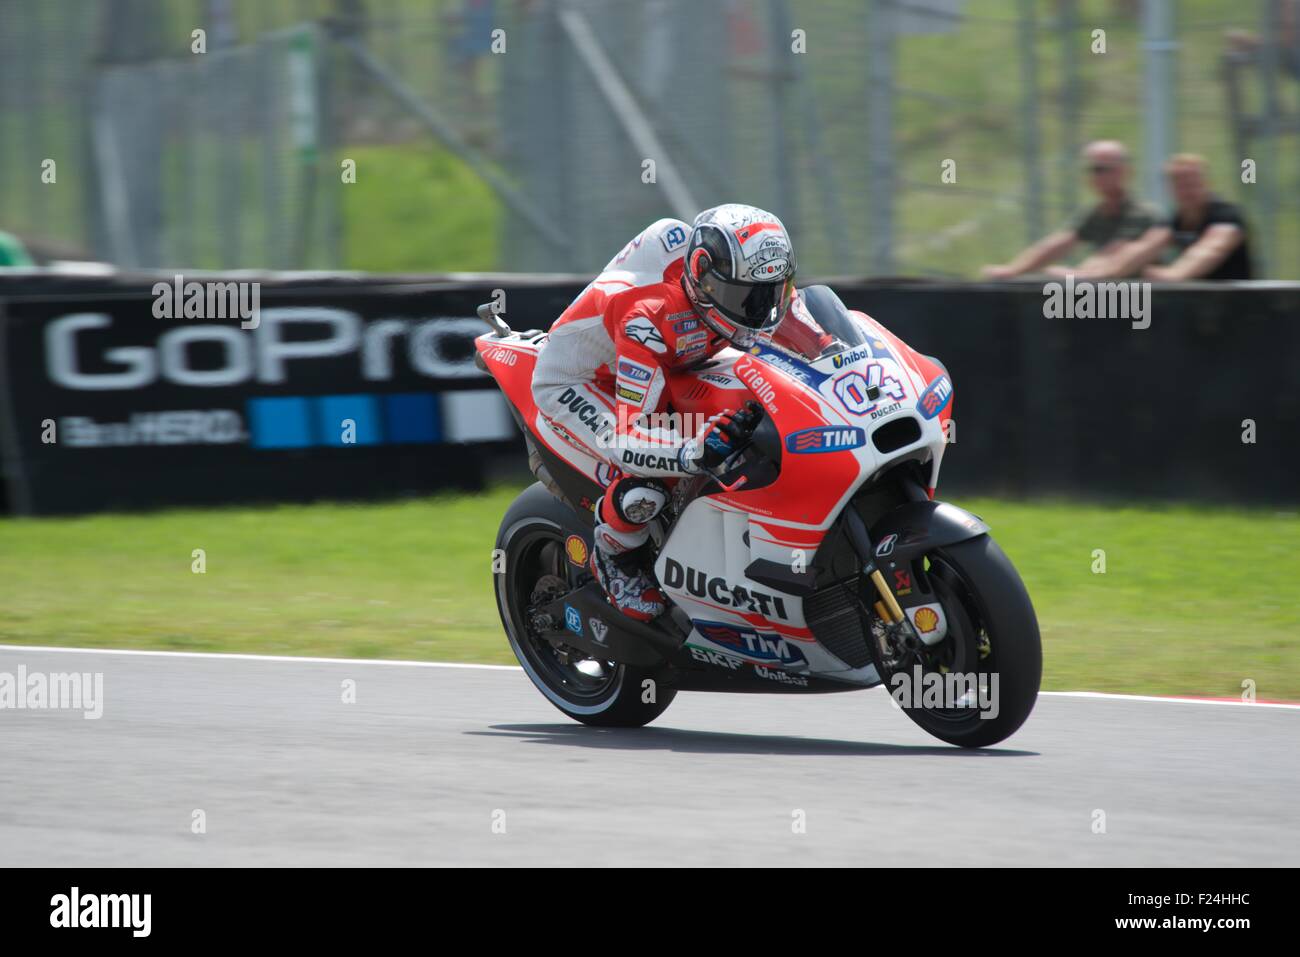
x=723, y=436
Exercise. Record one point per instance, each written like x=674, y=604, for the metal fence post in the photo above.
x=880, y=126
x=1032, y=151
x=1158, y=105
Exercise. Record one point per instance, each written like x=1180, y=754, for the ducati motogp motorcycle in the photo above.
x=815, y=559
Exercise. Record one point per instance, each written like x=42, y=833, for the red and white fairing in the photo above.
x=826, y=418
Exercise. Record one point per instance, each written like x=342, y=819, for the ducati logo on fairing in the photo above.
x=699, y=584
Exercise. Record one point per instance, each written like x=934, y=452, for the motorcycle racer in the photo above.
x=673, y=297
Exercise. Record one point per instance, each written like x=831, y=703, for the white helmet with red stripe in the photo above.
x=739, y=271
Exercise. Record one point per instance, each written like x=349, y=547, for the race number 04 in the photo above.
x=854, y=389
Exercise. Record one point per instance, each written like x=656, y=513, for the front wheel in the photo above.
x=537, y=569
x=992, y=638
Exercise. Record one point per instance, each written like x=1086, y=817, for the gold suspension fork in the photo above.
x=887, y=608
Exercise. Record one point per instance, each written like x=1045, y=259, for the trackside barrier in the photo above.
x=348, y=386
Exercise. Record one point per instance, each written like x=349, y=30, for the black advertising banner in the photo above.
x=129, y=393
x=340, y=390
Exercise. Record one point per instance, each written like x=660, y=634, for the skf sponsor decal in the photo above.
x=826, y=438
x=576, y=549
x=717, y=590
x=717, y=659
x=753, y=645
x=935, y=398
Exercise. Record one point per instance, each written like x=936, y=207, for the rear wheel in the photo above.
x=992, y=638
x=537, y=570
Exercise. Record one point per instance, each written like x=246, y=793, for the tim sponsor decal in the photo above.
x=935, y=398
x=826, y=438
x=754, y=645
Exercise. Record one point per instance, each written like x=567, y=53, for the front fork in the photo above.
x=898, y=629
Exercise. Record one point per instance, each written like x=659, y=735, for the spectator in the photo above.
x=1208, y=235
x=1116, y=220
x=13, y=255
x=1287, y=41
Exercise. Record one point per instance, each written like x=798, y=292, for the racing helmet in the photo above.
x=739, y=271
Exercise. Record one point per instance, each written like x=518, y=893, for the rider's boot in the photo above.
x=621, y=559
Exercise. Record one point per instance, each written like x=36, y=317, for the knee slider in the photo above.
x=637, y=500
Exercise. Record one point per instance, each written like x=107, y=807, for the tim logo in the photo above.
x=935, y=398
x=825, y=439
x=751, y=644
x=634, y=371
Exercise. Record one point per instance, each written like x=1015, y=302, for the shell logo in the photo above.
x=926, y=620
x=576, y=549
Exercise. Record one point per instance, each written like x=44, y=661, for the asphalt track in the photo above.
x=419, y=768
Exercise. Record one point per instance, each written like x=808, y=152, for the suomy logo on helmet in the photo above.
x=774, y=269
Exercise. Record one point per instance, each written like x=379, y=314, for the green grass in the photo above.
x=417, y=208
x=1193, y=601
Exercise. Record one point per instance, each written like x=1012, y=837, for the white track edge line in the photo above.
x=218, y=655
x=400, y=662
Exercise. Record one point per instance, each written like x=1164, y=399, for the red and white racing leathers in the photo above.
x=603, y=367
x=603, y=364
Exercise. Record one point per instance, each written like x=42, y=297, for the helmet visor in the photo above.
x=754, y=305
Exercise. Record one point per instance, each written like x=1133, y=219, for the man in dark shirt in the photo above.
x=1116, y=220
x=1208, y=235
